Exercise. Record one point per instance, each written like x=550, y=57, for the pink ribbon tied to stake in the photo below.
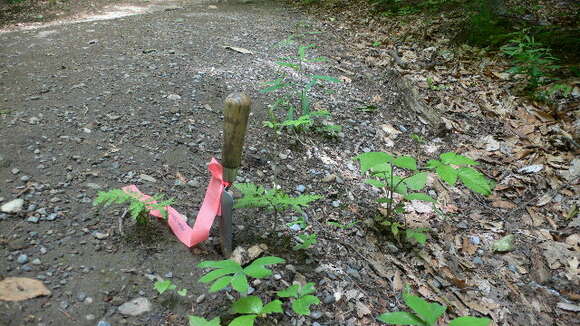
x=210, y=208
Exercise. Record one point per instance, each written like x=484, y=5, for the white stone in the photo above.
x=135, y=307
x=13, y=206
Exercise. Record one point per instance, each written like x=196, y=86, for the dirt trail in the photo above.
x=92, y=103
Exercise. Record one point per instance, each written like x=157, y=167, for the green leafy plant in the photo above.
x=200, y=321
x=426, y=314
x=529, y=58
x=138, y=207
x=549, y=94
x=302, y=297
x=449, y=168
x=252, y=307
x=167, y=285
x=295, y=100
x=418, y=138
x=272, y=199
x=341, y=225
x=228, y=272
x=431, y=84
x=306, y=241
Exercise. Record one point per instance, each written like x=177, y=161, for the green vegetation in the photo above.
x=272, y=199
x=426, y=314
x=228, y=272
x=139, y=207
x=302, y=297
x=449, y=168
x=164, y=286
x=294, y=97
x=530, y=58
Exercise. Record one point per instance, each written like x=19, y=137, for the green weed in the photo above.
x=228, y=272
x=530, y=58
x=426, y=314
x=164, y=286
x=295, y=97
x=138, y=207
x=449, y=168
x=302, y=297
x=272, y=199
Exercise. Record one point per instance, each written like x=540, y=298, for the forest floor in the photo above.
x=109, y=94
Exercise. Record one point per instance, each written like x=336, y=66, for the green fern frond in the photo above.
x=137, y=209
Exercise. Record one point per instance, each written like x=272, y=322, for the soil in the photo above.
x=134, y=94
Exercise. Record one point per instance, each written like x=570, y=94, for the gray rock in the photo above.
x=194, y=183
x=336, y=203
x=51, y=217
x=103, y=323
x=315, y=315
x=24, y=178
x=22, y=259
x=329, y=178
x=173, y=97
x=135, y=307
x=300, y=188
x=36, y=261
x=15, y=171
x=200, y=299
x=13, y=206
x=148, y=178
x=90, y=317
x=100, y=235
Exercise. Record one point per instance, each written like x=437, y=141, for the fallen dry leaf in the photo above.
x=503, y=204
x=21, y=288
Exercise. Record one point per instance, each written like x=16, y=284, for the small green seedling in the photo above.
x=303, y=297
x=342, y=226
x=299, y=221
x=418, y=138
x=306, y=241
x=252, y=307
x=167, y=285
x=426, y=314
x=529, y=58
x=377, y=43
x=228, y=272
x=295, y=99
x=449, y=168
x=200, y=321
x=138, y=207
x=276, y=200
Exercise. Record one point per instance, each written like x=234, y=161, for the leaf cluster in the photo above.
x=295, y=98
x=303, y=297
x=426, y=314
x=529, y=57
x=306, y=241
x=228, y=272
x=450, y=167
x=139, y=207
x=167, y=285
x=277, y=200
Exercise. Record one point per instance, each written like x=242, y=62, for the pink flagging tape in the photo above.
x=210, y=208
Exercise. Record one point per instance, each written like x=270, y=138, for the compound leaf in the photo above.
x=470, y=321
x=475, y=180
x=406, y=162
x=429, y=312
x=400, y=318
x=247, y=320
x=372, y=159
x=302, y=305
x=417, y=181
x=274, y=306
x=456, y=159
x=248, y=305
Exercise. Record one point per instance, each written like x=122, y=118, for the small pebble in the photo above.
x=90, y=317
x=300, y=188
x=315, y=314
x=200, y=299
x=22, y=259
x=36, y=261
x=103, y=323
x=33, y=219
x=336, y=203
